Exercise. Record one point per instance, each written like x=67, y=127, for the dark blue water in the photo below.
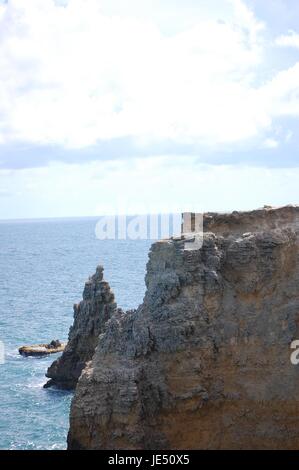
x=43, y=267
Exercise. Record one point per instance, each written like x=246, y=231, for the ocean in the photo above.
x=43, y=267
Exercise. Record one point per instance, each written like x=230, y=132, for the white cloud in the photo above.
x=289, y=136
x=74, y=75
x=288, y=40
x=138, y=186
x=77, y=74
x=270, y=143
x=102, y=69
x=280, y=96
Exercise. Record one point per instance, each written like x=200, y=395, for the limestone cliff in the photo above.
x=204, y=362
x=90, y=316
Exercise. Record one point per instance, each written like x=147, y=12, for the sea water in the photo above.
x=43, y=267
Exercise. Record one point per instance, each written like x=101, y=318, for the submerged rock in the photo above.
x=42, y=349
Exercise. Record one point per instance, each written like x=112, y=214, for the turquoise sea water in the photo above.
x=43, y=267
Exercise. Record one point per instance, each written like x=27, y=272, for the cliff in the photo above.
x=204, y=362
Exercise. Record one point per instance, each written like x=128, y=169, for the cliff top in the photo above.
x=263, y=219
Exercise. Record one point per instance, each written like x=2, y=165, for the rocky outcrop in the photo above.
x=90, y=316
x=55, y=346
x=237, y=223
x=204, y=362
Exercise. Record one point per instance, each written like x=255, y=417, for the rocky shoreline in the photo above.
x=204, y=362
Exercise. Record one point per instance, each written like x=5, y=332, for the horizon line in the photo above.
x=78, y=217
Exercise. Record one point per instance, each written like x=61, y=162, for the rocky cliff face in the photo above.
x=90, y=316
x=204, y=362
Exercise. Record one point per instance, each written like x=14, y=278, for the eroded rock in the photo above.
x=90, y=316
x=204, y=362
x=55, y=346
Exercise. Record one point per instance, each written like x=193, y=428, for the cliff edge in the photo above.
x=204, y=362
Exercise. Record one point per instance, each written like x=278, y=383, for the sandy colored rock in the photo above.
x=42, y=349
x=204, y=362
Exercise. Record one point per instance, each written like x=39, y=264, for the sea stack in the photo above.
x=90, y=316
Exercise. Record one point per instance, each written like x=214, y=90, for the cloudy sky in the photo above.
x=138, y=106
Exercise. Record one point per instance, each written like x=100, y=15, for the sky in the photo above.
x=147, y=106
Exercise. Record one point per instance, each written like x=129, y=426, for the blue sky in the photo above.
x=112, y=106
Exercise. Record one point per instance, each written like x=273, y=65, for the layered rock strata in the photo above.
x=204, y=362
x=90, y=316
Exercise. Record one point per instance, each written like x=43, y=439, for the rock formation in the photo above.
x=204, y=362
x=90, y=316
x=55, y=346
